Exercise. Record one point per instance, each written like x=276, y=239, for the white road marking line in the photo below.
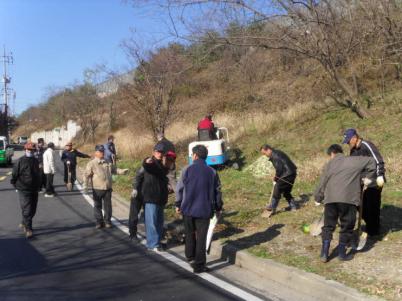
x=3, y=178
x=238, y=292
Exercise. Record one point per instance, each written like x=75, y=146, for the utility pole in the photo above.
x=7, y=59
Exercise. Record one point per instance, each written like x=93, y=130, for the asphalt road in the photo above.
x=68, y=259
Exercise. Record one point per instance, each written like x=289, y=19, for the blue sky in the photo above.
x=54, y=41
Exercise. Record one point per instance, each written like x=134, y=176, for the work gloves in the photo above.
x=366, y=181
x=134, y=193
x=380, y=181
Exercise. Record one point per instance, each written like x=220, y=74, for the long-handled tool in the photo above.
x=212, y=223
x=362, y=235
x=316, y=226
x=267, y=213
x=69, y=184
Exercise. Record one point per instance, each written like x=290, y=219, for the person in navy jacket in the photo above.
x=198, y=198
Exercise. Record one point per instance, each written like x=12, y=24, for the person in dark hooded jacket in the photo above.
x=284, y=179
x=155, y=192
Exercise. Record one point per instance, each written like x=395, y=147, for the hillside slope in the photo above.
x=304, y=132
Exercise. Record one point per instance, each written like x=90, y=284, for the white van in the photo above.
x=22, y=140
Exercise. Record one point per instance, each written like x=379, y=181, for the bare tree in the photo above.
x=88, y=109
x=154, y=94
x=334, y=33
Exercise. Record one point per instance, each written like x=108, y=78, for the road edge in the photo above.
x=313, y=285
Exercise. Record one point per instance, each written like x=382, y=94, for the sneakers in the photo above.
x=29, y=234
x=108, y=225
x=199, y=270
x=49, y=195
x=157, y=250
x=190, y=260
x=99, y=226
x=135, y=238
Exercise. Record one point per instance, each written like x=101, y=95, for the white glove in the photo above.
x=366, y=181
x=380, y=181
x=134, y=193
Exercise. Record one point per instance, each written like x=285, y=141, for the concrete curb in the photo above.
x=315, y=286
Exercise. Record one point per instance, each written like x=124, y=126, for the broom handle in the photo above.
x=359, y=223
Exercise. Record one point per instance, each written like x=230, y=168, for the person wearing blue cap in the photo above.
x=99, y=171
x=372, y=196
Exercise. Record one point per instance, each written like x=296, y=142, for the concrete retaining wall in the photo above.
x=59, y=136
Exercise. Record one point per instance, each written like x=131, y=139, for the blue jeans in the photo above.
x=153, y=224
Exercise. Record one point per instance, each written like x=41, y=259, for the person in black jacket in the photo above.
x=284, y=179
x=26, y=180
x=69, y=158
x=372, y=196
x=154, y=191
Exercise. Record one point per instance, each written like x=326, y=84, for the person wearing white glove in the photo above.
x=367, y=182
x=380, y=181
x=372, y=196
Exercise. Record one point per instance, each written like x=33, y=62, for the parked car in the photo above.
x=6, y=152
x=22, y=140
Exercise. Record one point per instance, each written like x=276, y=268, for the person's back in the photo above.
x=48, y=161
x=206, y=129
x=283, y=164
x=341, y=182
x=199, y=186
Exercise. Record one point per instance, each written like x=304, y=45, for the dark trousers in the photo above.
x=49, y=183
x=106, y=197
x=284, y=187
x=346, y=213
x=372, y=210
x=42, y=179
x=135, y=207
x=196, y=230
x=73, y=173
x=28, y=203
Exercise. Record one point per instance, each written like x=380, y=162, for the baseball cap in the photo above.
x=159, y=148
x=30, y=146
x=171, y=154
x=349, y=133
x=100, y=148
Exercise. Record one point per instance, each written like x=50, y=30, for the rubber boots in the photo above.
x=325, y=250
x=273, y=205
x=342, y=253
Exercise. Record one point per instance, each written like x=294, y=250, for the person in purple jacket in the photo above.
x=198, y=198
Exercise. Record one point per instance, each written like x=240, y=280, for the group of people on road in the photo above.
x=198, y=198
x=35, y=171
x=347, y=183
